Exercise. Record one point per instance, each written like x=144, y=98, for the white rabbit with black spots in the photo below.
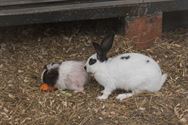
x=129, y=71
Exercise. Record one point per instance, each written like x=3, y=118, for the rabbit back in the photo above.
x=72, y=75
x=134, y=71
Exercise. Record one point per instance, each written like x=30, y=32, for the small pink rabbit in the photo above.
x=65, y=75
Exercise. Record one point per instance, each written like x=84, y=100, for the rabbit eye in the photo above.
x=92, y=61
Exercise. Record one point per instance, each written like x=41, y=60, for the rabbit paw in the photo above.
x=82, y=92
x=106, y=92
x=102, y=97
x=124, y=96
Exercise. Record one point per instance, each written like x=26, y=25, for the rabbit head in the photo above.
x=96, y=61
x=50, y=73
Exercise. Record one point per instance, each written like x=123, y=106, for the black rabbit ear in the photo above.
x=107, y=42
x=96, y=46
x=101, y=56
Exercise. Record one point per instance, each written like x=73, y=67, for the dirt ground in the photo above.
x=24, y=50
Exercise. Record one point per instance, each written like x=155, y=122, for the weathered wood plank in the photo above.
x=59, y=16
x=24, y=2
x=85, y=6
x=15, y=2
x=21, y=2
x=45, y=13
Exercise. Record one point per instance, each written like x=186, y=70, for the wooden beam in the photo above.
x=77, y=6
x=57, y=12
x=21, y=2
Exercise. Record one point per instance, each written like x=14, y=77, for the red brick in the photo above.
x=143, y=30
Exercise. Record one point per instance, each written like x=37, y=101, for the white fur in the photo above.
x=72, y=75
x=134, y=74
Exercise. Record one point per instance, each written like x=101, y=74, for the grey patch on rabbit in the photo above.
x=147, y=61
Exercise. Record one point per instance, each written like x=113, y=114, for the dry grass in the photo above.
x=24, y=51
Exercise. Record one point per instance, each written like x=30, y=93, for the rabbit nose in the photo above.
x=85, y=67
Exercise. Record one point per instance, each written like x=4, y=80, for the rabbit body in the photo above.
x=129, y=71
x=66, y=75
x=139, y=72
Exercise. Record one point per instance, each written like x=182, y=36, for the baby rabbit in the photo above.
x=128, y=71
x=65, y=75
